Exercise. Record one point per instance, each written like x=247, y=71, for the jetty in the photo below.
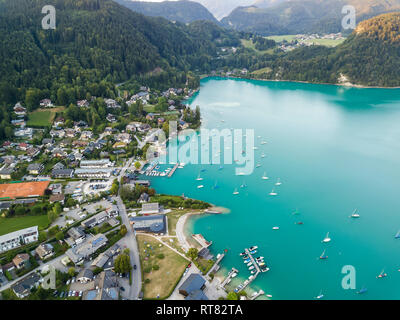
x=216, y=266
x=233, y=273
x=173, y=170
x=257, y=294
x=201, y=240
x=152, y=166
x=243, y=285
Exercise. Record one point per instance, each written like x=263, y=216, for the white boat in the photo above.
x=320, y=296
x=326, y=239
x=264, y=177
x=255, y=148
x=275, y=228
x=200, y=186
x=253, y=248
x=263, y=142
x=249, y=264
x=251, y=267
x=273, y=193
x=258, y=165
x=235, y=192
x=199, y=178
x=263, y=155
x=278, y=182
x=355, y=214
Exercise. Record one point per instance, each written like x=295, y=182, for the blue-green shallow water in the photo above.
x=335, y=149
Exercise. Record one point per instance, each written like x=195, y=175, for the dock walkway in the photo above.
x=229, y=277
x=173, y=170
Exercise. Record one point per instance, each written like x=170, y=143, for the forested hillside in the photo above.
x=182, y=11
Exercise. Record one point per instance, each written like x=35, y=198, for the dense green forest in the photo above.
x=182, y=11
x=96, y=44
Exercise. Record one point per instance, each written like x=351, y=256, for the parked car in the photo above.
x=80, y=293
x=62, y=294
x=122, y=289
x=134, y=267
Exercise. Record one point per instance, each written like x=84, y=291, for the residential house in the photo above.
x=124, y=137
x=35, y=168
x=21, y=260
x=86, y=249
x=77, y=235
x=111, y=118
x=5, y=173
x=57, y=198
x=85, y=276
x=62, y=173
x=23, y=287
x=112, y=103
x=106, y=287
x=82, y=103
x=44, y=251
x=46, y=103
x=19, y=109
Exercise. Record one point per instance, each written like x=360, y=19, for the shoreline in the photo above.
x=343, y=85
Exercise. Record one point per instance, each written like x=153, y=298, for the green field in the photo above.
x=41, y=118
x=250, y=45
x=321, y=42
x=8, y=225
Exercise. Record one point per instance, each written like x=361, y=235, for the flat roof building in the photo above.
x=17, y=238
x=152, y=224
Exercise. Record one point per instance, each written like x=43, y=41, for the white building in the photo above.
x=100, y=173
x=103, y=163
x=17, y=238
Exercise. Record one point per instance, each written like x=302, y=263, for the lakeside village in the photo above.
x=72, y=200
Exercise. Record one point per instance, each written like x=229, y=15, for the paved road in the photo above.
x=130, y=241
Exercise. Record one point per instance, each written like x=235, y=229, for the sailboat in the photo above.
x=263, y=155
x=235, y=192
x=296, y=212
x=263, y=142
x=323, y=256
x=320, y=296
x=382, y=274
x=216, y=186
x=362, y=290
x=278, y=182
x=258, y=165
x=243, y=185
x=273, y=193
x=199, y=178
x=200, y=186
x=264, y=177
x=355, y=214
x=397, y=236
x=326, y=239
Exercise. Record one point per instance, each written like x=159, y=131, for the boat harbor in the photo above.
x=255, y=266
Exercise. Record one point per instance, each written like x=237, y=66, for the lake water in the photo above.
x=334, y=149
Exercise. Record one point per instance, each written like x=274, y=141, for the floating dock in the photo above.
x=173, y=170
x=252, y=277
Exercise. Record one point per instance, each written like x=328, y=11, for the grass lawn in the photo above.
x=250, y=45
x=149, y=108
x=171, y=267
x=8, y=225
x=41, y=118
x=262, y=71
x=321, y=42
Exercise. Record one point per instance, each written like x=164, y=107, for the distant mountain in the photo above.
x=182, y=11
x=370, y=56
x=222, y=8
x=271, y=17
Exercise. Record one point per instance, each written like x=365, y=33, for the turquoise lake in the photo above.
x=335, y=149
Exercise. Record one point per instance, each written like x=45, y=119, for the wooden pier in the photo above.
x=229, y=277
x=173, y=170
x=215, y=267
x=259, y=293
